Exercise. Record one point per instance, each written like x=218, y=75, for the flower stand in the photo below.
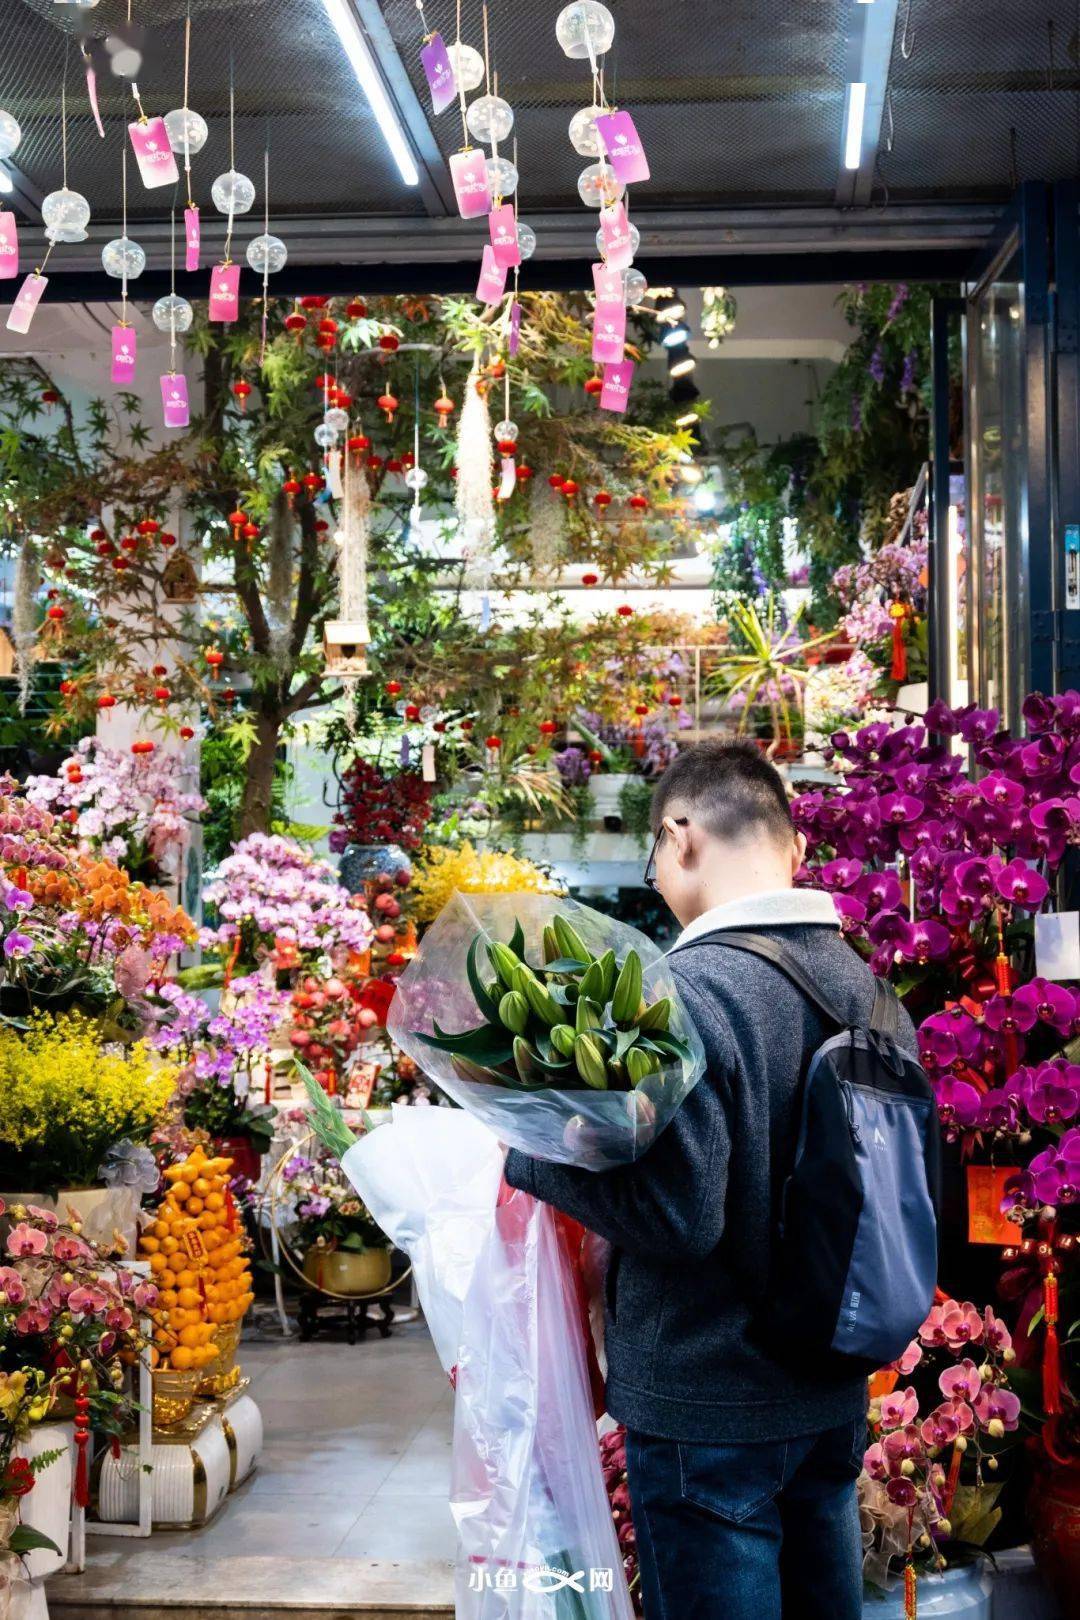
x=195, y=1463
x=47, y=1509
x=964, y=1592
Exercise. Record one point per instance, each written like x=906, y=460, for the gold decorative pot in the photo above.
x=344, y=1271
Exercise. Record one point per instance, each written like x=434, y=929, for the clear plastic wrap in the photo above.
x=500, y=1290
x=592, y=1128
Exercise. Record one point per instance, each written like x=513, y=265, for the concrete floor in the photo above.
x=347, y=1512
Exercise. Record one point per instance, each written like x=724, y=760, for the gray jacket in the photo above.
x=692, y=1221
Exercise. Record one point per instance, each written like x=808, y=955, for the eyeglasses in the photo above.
x=649, y=878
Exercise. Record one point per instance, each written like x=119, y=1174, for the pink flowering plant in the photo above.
x=941, y=1419
x=273, y=897
x=136, y=809
x=68, y=1314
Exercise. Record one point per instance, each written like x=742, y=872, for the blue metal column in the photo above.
x=1066, y=383
x=1038, y=556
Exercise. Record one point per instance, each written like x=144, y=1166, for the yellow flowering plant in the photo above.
x=468, y=870
x=65, y=1099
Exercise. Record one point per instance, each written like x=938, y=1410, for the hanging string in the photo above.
x=172, y=290
x=415, y=521
x=460, y=85
x=63, y=117
x=123, y=217
x=187, y=134
x=423, y=19
x=266, y=257
x=232, y=161
x=487, y=55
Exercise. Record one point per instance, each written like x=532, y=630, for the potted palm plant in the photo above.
x=762, y=672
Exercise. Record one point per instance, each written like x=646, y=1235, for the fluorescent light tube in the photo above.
x=356, y=48
x=856, y=114
x=7, y=185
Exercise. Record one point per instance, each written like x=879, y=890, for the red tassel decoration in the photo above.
x=81, y=1491
x=911, y=1593
x=899, y=669
x=1051, y=1367
x=952, y=1480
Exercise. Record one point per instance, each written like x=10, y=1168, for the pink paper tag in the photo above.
x=515, y=329
x=624, y=147
x=607, y=283
x=26, y=302
x=504, y=242
x=507, y=479
x=225, y=292
x=618, y=247
x=174, y=399
x=9, y=246
x=616, y=390
x=157, y=165
x=609, y=333
x=469, y=174
x=191, y=238
x=123, y=355
x=439, y=72
x=492, y=283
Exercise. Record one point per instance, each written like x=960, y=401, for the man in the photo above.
x=742, y=1468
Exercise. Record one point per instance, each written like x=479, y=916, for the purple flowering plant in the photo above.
x=272, y=891
x=327, y=1213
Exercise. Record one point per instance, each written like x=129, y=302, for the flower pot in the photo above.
x=47, y=1509
x=102, y=1211
x=247, y=1162
x=344, y=1271
x=1054, y=1516
x=964, y=1591
x=605, y=790
x=361, y=863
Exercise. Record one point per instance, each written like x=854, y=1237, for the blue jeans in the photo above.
x=749, y=1532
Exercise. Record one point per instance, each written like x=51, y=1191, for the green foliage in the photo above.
x=223, y=773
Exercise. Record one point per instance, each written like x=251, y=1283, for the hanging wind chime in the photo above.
x=233, y=193
x=266, y=255
x=474, y=498
x=10, y=136
x=346, y=638
x=124, y=259
x=468, y=169
x=65, y=215
x=174, y=388
x=187, y=132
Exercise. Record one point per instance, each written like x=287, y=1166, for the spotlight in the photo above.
x=675, y=335
x=680, y=361
x=671, y=308
x=7, y=185
x=687, y=419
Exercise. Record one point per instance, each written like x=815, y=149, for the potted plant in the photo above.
x=762, y=671
x=33, y=1511
x=344, y=1251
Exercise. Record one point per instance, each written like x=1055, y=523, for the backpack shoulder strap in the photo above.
x=772, y=950
x=885, y=1016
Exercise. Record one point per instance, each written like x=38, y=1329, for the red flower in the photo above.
x=17, y=1478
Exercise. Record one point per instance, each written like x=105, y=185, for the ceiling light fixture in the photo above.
x=687, y=419
x=7, y=184
x=671, y=308
x=680, y=361
x=854, y=118
x=675, y=336
x=357, y=49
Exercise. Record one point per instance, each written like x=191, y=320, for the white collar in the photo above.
x=774, y=908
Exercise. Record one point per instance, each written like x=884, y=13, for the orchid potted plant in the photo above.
x=344, y=1251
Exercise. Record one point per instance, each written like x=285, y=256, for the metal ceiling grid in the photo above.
x=982, y=98
x=293, y=87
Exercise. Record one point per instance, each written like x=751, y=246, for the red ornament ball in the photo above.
x=625, y=611
x=392, y=688
x=493, y=742
x=547, y=728
x=412, y=711
x=590, y=579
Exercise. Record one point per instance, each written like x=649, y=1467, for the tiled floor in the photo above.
x=347, y=1510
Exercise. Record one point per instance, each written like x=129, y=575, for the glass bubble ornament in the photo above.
x=635, y=286
x=502, y=177
x=583, y=132
x=10, y=134
x=187, y=130
x=468, y=66
x=582, y=24
x=506, y=430
x=324, y=436
x=416, y=479
x=337, y=419
x=172, y=313
x=635, y=241
x=489, y=118
x=526, y=239
x=266, y=254
x=599, y=186
x=65, y=215
x=122, y=257
x=233, y=192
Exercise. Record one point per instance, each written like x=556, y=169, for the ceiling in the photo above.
x=740, y=107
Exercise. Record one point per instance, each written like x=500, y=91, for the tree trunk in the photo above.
x=259, y=788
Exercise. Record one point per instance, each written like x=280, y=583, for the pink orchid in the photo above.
x=26, y=1240
x=996, y=1335
x=35, y=1319
x=1002, y=1404
x=932, y=1332
x=87, y=1301
x=941, y=1427
x=68, y=1249
x=145, y=1296
x=962, y=1382
x=899, y=1409
x=910, y=1359
x=12, y=1285
x=119, y=1318
x=903, y=1445
x=961, y=1324
x=962, y=1412
x=874, y=1461
x=902, y=1492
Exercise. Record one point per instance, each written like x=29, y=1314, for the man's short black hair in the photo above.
x=728, y=787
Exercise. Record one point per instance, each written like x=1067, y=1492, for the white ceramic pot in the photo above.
x=47, y=1509
x=964, y=1592
x=102, y=1211
x=605, y=788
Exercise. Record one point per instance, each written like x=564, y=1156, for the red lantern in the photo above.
x=97, y=534
x=356, y=309
x=147, y=526
x=130, y=542
x=569, y=488
x=66, y=688
x=395, y=465
x=507, y=447
x=229, y=696
x=162, y=694
x=106, y=701
x=392, y=688
x=187, y=732
x=291, y=488
x=386, y=402
x=594, y=385
x=159, y=669
x=444, y=409
x=168, y=539
x=493, y=742
x=374, y=462
x=328, y=328
x=547, y=728
x=624, y=611
x=388, y=342
x=237, y=519
x=641, y=708
x=105, y=548
x=595, y=756
x=215, y=658
x=412, y=711
x=524, y=473
x=296, y=323
x=312, y=482
x=556, y=480
x=144, y=747
x=250, y=532
x=314, y=301
x=56, y=614
x=49, y=396
x=638, y=503
x=241, y=392
x=590, y=579
x=321, y=526
x=120, y=563
x=674, y=701
x=359, y=443
x=602, y=499
x=466, y=725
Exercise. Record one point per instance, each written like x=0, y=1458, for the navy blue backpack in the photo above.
x=854, y=1263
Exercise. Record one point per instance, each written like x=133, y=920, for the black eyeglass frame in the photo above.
x=649, y=876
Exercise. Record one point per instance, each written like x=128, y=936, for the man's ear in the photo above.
x=682, y=841
x=799, y=853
